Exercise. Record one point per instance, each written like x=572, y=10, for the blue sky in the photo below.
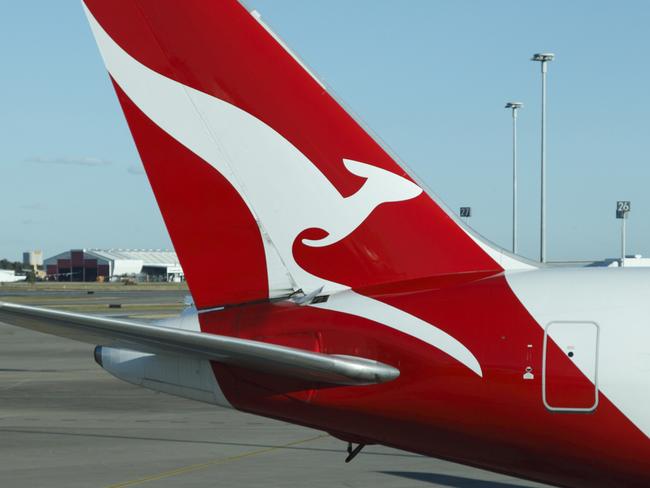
x=429, y=77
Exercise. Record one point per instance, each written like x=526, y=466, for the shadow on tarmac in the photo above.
x=451, y=481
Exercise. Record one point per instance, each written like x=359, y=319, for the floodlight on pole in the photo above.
x=514, y=106
x=543, y=59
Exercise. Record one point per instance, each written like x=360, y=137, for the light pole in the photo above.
x=514, y=106
x=623, y=208
x=543, y=58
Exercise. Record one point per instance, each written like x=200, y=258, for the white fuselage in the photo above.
x=617, y=300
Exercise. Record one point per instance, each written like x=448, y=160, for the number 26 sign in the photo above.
x=622, y=208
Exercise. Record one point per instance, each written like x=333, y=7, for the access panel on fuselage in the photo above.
x=570, y=376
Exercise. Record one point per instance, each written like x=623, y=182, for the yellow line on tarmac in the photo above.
x=196, y=467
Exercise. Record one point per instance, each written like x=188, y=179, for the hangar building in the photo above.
x=90, y=264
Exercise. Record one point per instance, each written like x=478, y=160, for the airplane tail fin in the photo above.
x=266, y=184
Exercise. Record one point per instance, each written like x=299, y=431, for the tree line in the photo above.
x=15, y=265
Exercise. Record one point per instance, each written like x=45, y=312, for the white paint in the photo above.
x=187, y=320
x=281, y=283
x=507, y=261
x=354, y=304
x=176, y=375
x=284, y=191
x=618, y=300
x=578, y=341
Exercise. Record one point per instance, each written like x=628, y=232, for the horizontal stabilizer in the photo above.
x=284, y=361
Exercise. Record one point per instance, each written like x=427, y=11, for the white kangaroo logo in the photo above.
x=284, y=190
x=344, y=215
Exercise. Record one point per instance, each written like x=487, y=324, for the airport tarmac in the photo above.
x=64, y=422
x=106, y=299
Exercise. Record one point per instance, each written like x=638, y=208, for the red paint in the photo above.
x=214, y=234
x=437, y=406
x=391, y=245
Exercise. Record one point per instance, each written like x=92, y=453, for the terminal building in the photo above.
x=114, y=264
